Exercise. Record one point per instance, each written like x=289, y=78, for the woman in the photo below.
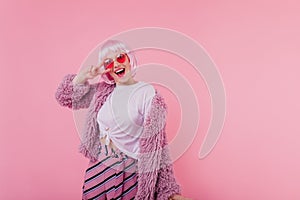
x=124, y=135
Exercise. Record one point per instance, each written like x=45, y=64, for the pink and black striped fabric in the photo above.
x=113, y=176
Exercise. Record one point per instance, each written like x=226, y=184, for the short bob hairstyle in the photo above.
x=116, y=46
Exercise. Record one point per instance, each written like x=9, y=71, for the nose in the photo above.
x=116, y=63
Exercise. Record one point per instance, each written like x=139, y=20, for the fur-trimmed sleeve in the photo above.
x=75, y=96
x=166, y=185
x=156, y=179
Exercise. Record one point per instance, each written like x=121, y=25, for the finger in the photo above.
x=97, y=67
x=107, y=70
x=93, y=70
x=90, y=69
x=103, y=71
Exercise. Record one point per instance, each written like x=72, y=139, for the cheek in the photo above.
x=127, y=65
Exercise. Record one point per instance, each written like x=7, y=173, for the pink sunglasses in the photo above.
x=120, y=58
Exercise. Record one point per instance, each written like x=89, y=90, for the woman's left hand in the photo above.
x=178, y=197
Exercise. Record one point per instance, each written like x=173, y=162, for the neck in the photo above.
x=129, y=82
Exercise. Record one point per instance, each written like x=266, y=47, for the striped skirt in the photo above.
x=113, y=176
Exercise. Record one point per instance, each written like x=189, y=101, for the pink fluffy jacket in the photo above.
x=155, y=170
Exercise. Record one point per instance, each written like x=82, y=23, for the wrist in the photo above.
x=78, y=80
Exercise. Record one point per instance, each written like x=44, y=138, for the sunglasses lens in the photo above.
x=121, y=58
x=108, y=63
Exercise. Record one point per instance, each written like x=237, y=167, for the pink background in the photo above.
x=255, y=46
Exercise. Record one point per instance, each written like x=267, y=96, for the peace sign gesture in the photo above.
x=89, y=73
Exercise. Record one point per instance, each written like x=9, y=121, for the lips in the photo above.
x=120, y=72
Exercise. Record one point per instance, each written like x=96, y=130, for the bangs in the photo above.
x=112, y=46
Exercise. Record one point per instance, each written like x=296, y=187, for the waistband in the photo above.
x=108, y=150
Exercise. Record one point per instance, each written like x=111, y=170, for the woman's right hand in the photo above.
x=89, y=73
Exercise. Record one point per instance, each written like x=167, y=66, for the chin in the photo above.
x=123, y=80
x=127, y=76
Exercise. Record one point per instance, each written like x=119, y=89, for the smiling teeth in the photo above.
x=119, y=70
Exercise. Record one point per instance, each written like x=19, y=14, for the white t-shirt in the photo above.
x=122, y=115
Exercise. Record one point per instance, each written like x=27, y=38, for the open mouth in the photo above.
x=120, y=72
